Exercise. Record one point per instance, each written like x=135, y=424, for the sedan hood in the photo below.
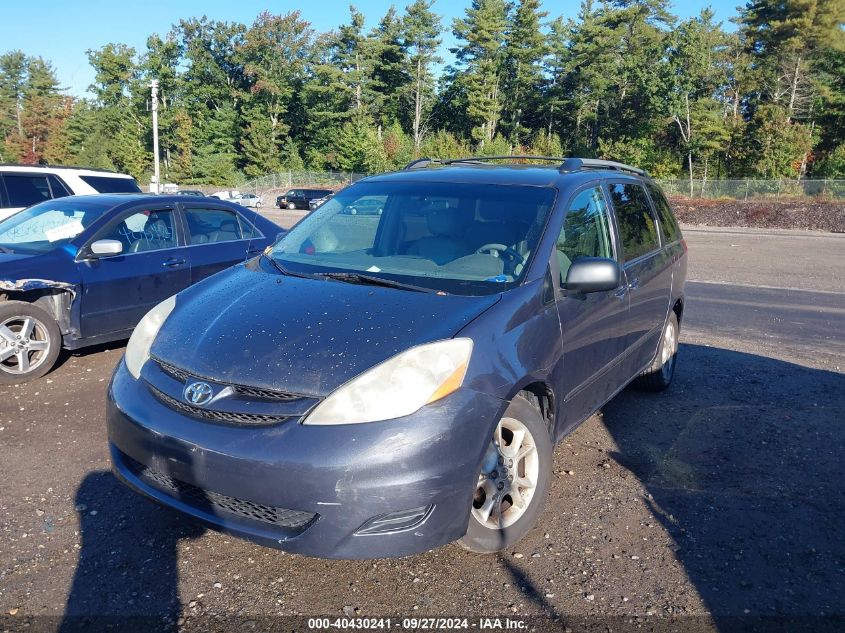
x=253, y=327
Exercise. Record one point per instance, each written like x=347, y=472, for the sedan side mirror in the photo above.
x=593, y=274
x=105, y=248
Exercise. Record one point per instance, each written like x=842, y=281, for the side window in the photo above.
x=585, y=231
x=143, y=231
x=58, y=187
x=664, y=214
x=26, y=190
x=212, y=225
x=637, y=227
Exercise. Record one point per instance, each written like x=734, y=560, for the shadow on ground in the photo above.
x=127, y=575
x=743, y=459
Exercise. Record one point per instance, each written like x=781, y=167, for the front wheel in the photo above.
x=514, y=480
x=660, y=374
x=291, y=206
x=30, y=342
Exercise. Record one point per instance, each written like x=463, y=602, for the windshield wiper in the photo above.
x=358, y=278
x=287, y=271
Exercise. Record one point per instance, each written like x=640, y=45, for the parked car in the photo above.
x=83, y=270
x=381, y=385
x=248, y=200
x=316, y=202
x=25, y=185
x=227, y=194
x=368, y=205
x=299, y=198
x=190, y=192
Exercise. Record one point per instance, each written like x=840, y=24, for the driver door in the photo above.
x=593, y=325
x=118, y=290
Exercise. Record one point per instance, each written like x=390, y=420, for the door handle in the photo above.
x=634, y=283
x=173, y=262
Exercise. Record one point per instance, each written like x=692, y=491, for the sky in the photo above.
x=61, y=31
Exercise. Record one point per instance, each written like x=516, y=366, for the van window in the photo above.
x=110, y=184
x=637, y=227
x=25, y=190
x=671, y=230
x=585, y=231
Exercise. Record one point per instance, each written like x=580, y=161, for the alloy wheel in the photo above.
x=24, y=344
x=508, y=477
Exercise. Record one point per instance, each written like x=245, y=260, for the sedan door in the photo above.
x=648, y=270
x=118, y=290
x=218, y=237
x=592, y=325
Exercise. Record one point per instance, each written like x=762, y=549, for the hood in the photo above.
x=252, y=327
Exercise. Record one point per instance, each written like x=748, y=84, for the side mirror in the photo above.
x=105, y=248
x=593, y=274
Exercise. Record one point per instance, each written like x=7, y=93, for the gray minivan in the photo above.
x=381, y=384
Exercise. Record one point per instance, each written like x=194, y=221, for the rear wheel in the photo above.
x=514, y=480
x=660, y=374
x=30, y=342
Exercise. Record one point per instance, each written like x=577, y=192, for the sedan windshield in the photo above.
x=47, y=225
x=458, y=238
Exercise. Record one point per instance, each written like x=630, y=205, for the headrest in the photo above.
x=445, y=223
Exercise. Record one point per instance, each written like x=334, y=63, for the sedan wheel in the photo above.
x=513, y=481
x=660, y=374
x=29, y=342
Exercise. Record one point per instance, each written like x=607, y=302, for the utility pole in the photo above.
x=156, y=167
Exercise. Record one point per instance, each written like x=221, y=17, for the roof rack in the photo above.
x=577, y=164
x=566, y=164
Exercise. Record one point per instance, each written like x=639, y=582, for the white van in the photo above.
x=25, y=185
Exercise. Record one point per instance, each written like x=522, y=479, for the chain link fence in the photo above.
x=750, y=189
x=272, y=185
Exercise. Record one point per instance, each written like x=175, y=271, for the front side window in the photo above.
x=48, y=225
x=585, y=231
x=212, y=225
x=637, y=227
x=143, y=231
x=26, y=190
x=456, y=237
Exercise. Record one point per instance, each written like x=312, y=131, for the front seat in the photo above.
x=157, y=235
x=445, y=244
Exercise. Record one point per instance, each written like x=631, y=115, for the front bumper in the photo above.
x=331, y=479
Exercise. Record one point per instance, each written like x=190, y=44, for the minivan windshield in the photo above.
x=47, y=225
x=459, y=238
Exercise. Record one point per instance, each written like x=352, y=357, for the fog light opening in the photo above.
x=396, y=521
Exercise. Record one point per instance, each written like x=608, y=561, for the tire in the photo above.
x=660, y=374
x=42, y=332
x=291, y=206
x=507, y=525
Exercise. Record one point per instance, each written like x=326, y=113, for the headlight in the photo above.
x=138, y=348
x=399, y=386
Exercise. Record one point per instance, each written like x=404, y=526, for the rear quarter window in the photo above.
x=110, y=184
x=637, y=226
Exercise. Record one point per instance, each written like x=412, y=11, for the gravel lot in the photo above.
x=711, y=506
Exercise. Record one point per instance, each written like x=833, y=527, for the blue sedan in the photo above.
x=83, y=270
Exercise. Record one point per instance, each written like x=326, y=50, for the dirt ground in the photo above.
x=803, y=214
x=717, y=505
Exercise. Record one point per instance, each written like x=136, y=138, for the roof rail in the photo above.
x=48, y=166
x=577, y=164
x=566, y=164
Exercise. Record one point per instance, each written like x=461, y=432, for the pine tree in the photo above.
x=525, y=49
x=388, y=66
x=421, y=31
x=481, y=57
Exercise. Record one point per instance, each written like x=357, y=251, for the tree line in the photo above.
x=625, y=79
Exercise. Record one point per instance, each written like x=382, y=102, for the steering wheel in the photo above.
x=501, y=251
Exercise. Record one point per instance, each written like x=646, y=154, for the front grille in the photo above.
x=217, y=416
x=252, y=392
x=296, y=520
